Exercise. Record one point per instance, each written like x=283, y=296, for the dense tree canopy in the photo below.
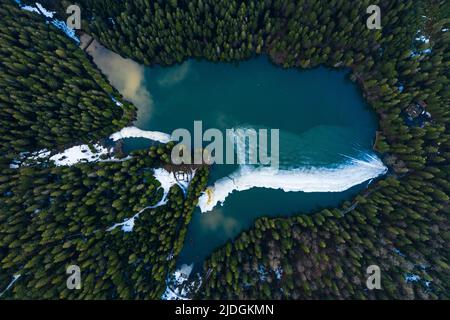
x=51, y=94
x=59, y=216
x=400, y=223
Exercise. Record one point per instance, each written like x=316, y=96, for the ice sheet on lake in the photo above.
x=314, y=179
x=134, y=132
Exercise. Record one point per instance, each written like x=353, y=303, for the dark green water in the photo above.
x=320, y=113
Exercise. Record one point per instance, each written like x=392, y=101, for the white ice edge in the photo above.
x=314, y=179
x=134, y=132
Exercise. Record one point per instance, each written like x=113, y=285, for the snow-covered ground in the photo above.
x=134, y=132
x=411, y=277
x=79, y=154
x=118, y=103
x=167, y=180
x=423, y=39
x=39, y=9
x=69, y=157
x=128, y=224
x=45, y=12
x=420, y=37
x=178, y=283
x=170, y=294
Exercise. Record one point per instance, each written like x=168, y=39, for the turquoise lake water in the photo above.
x=321, y=115
x=322, y=118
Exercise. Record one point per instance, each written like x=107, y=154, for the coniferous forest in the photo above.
x=52, y=96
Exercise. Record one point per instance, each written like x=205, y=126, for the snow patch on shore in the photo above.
x=45, y=12
x=39, y=9
x=71, y=156
x=178, y=279
x=118, y=103
x=167, y=181
x=183, y=273
x=312, y=179
x=29, y=8
x=77, y=154
x=134, y=132
x=170, y=294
